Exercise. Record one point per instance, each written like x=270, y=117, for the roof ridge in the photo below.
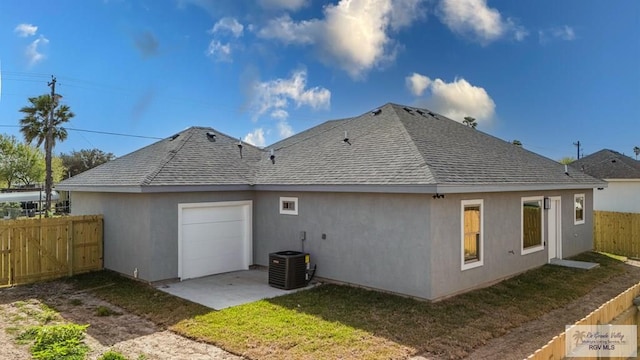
x=338, y=123
x=407, y=136
x=172, y=153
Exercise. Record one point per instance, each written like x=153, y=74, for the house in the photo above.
x=399, y=199
x=621, y=172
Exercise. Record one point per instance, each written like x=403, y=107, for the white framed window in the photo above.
x=578, y=209
x=289, y=205
x=532, y=224
x=471, y=229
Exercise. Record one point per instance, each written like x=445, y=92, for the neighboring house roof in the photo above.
x=27, y=196
x=394, y=148
x=609, y=164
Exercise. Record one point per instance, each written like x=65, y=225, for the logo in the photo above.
x=601, y=341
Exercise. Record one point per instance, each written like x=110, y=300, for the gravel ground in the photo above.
x=126, y=333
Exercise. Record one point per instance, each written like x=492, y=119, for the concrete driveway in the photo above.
x=226, y=290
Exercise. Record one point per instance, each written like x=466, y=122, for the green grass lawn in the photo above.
x=339, y=322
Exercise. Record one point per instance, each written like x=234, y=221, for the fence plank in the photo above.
x=617, y=233
x=42, y=249
x=613, y=311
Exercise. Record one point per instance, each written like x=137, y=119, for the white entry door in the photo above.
x=555, y=229
x=214, y=238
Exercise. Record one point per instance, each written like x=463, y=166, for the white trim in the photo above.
x=584, y=212
x=555, y=200
x=248, y=211
x=287, y=211
x=540, y=247
x=470, y=265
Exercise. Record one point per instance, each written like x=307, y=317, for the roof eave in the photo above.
x=154, y=189
x=428, y=188
x=475, y=188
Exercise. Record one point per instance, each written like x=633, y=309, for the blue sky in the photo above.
x=547, y=72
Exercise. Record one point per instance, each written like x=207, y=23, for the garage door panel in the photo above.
x=205, y=215
x=214, y=239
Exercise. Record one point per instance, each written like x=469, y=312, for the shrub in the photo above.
x=112, y=355
x=57, y=342
x=104, y=311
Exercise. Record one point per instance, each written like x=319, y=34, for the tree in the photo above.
x=42, y=123
x=517, y=143
x=566, y=160
x=636, y=150
x=83, y=160
x=20, y=162
x=470, y=121
x=31, y=165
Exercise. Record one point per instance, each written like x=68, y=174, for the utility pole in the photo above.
x=577, y=145
x=48, y=142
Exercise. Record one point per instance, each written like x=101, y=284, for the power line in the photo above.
x=99, y=132
x=114, y=134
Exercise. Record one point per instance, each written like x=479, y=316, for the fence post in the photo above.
x=11, y=265
x=70, y=246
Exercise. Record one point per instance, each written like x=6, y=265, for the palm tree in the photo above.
x=636, y=150
x=38, y=125
x=469, y=121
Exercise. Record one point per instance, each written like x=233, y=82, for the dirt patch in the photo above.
x=110, y=326
x=524, y=340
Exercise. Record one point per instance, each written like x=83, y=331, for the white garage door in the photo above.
x=214, y=238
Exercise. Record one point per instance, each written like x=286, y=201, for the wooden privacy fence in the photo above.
x=618, y=311
x=617, y=233
x=42, y=249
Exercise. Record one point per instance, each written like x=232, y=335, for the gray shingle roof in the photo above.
x=187, y=158
x=395, y=146
x=402, y=145
x=609, y=164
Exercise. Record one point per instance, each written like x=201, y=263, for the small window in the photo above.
x=578, y=213
x=472, y=228
x=532, y=225
x=289, y=205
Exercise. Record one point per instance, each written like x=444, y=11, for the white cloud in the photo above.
x=32, y=51
x=417, y=83
x=25, y=30
x=255, y=138
x=283, y=28
x=458, y=99
x=274, y=96
x=283, y=4
x=565, y=33
x=473, y=18
x=228, y=24
x=353, y=35
x=279, y=114
x=219, y=51
x=284, y=129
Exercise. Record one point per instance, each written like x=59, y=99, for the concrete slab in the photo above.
x=225, y=290
x=574, y=264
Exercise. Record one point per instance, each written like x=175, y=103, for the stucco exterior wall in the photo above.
x=576, y=238
x=127, y=224
x=619, y=196
x=502, y=239
x=404, y=243
x=141, y=230
x=375, y=240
